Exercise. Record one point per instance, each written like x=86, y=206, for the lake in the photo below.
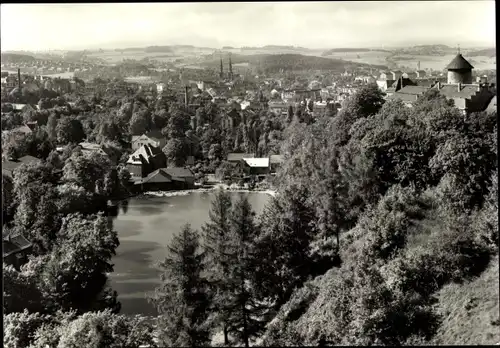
x=145, y=229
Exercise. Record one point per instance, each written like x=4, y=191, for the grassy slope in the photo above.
x=474, y=326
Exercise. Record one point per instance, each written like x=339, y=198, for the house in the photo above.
x=145, y=160
x=16, y=249
x=165, y=179
x=275, y=162
x=255, y=166
x=236, y=157
x=90, y=148
x=153, y=138
x=9, y=166
x=467, y=97
x=278, y=108
x=180, y=173
x=231, y=120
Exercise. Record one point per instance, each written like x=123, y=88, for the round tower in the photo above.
x=459, y=71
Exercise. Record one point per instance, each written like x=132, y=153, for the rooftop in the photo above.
x=10, y=165
x=14, y=243
x=459, y=63
x=233, y=157
x=255, y=162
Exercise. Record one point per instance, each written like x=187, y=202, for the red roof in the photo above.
x=459, y=63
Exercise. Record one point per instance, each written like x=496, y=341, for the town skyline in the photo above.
x=315, y=25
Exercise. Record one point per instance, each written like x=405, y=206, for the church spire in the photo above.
x=230, y=67
x=221, y=68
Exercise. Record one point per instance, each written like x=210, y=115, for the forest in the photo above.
x=379, y=209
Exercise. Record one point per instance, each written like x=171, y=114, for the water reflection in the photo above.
x=145, y=226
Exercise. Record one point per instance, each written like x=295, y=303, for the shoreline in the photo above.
x=206, y=189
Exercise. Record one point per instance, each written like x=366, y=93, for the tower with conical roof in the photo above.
x=459, y=70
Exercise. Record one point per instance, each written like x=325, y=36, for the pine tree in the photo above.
x=183, y=299
x=215, y=234
x=246, y=313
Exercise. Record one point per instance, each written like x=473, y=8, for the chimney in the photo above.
x=19, y=78
x=438, y=84
x=459, y=86
x=186, y=96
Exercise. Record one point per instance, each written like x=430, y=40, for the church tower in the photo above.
x=221, y=74
x=230, y=67
x=459, y=70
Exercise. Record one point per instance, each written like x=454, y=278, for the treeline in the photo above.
x=275, y=63
x=14, y=58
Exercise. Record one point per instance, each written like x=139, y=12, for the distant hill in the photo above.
x=488, y=52
x=158, y=49
x=10, y=58
x=275, y=47
x=348, y=50
x=426, y=50
x=273, y=63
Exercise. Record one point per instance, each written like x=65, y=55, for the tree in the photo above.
x=246, y=312
x=14, y=145
x=176, y=151
x=8, y=207
x=177, y=124
x=86, y=171
x=287, y=229
x=65, y=329
x=69, y=130
x=215, y=153
x=183, y=299
x=215, y=236
x=74, y=275
x=139, y=123
x=364, y=103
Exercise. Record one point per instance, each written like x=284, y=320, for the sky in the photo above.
x=327, y=24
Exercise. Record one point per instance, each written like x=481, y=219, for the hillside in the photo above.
x=16, y=58
x=488, y=52
x=349, y=50
x=426, y=50
x=470, y=311
x=272, y=63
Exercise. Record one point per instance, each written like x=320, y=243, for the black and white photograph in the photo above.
x=249, y=174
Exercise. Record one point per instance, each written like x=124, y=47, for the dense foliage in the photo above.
x=377, y=209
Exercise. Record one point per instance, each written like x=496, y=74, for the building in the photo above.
x=459, y=71
x=279, y=108
x=467, y=97
x=92, y=148
x=9, y=166
x=145, y=160
x=236, y=157
x=165, y=179
x=153, y=138
x=255, y=166
x=16, y=249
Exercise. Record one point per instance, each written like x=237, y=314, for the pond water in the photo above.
x=145, y=228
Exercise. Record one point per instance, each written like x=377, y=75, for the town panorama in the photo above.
x=249, y=174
